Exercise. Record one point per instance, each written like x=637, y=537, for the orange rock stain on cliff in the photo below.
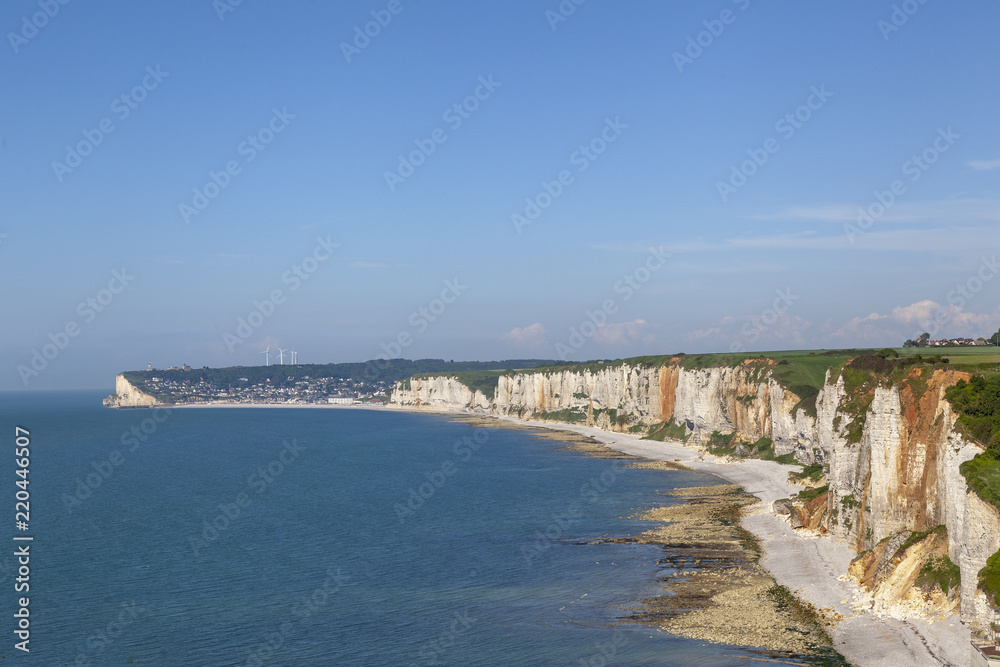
x=923, y=439
x=668, y=388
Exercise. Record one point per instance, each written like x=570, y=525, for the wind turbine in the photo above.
x=294, y=355
x=267, y=356
x=281, y=356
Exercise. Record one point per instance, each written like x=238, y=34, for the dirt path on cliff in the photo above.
x=812, y=567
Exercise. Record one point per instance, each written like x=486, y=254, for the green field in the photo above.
x=973, y=359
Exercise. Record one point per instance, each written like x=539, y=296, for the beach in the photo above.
x=813, y=567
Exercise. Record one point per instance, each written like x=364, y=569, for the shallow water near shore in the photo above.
x=375, y=538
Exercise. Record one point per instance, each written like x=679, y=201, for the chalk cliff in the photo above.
x=890, y=452
x=127, y=395
x=439, y=393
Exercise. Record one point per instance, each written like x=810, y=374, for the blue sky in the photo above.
x=738, y=140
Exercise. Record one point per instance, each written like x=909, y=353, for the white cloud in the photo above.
x=952, y=239
x=623, y=333
x=983, y=165
x=531, y=336
x=903, y=322
x=963, y=210
x=698, y=334
x=359, y=264
x=767, y=331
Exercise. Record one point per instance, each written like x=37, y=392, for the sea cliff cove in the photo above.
x=849, y=511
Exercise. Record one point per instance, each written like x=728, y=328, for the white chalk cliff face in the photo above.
x=439, y=393
x=127, y=395
x=903, y=475
x=738, y=399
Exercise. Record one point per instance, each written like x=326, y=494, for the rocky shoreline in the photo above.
x=716, y=591
x=810, y=571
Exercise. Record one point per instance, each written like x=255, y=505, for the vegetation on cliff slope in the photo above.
x=989, y=579
x=813, y=473
x=728, y=444
x=977, y=403
x=864, y=374
x=668, y=430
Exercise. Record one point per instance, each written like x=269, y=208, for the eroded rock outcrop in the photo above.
x=910, y=573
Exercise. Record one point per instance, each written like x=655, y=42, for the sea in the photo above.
x=272, y=536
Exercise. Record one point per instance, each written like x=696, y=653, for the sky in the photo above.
x=192, y=182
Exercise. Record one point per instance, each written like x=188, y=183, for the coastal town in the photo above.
x=925, y=340
x=290, y=390
x=363, y=383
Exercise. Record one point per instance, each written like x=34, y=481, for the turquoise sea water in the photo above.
x=325, y=537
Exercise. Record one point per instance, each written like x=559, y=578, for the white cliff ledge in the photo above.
x=127, y=395
x=900, y=476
